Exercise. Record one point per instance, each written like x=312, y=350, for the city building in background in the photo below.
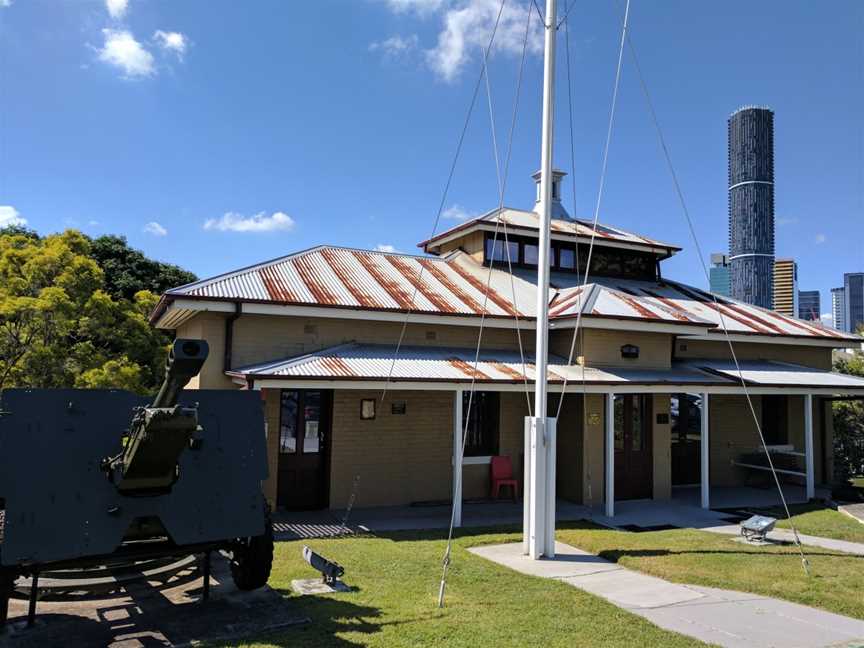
x=786, y=287
x=853, y=284
x=751, y=205
x=838, y=307
x=719, y=278
x=809, y=305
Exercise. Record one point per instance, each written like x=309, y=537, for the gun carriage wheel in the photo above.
x=252, y=558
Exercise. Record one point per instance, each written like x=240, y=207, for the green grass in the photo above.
x=702, y=558
x=396, y=580
x=858, y=482
x=816, y=520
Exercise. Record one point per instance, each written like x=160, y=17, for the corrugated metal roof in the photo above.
x=582, y=229
x=374, y=362
x=778, y=374
x=456, y=285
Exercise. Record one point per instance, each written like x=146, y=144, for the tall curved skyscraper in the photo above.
x=751, y=205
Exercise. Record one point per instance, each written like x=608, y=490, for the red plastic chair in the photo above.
x=502, y=476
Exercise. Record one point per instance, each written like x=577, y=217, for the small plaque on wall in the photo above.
x=593, y=418
x=367, y=409
x=398, y=407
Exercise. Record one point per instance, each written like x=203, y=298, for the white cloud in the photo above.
x=117, y=8
x=827, y=319
x=261, y=222
x=395, y=47
x=9, y=216
x=385, y=247
x=173, y=42
x=5, y=3
x=123, y=51
x=821, y=238
x=781, y=221
x=466, y=26
x=457, y=212
x=155, y=229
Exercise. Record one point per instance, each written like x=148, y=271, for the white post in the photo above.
x=457, y=457
x=527, y=480
x=609, y=449
x=808, y=446
x=540, y=514
x=705, y=452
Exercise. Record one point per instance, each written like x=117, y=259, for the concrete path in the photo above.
x=853, y=510
x=715, y=616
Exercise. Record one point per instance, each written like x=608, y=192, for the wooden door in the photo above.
x=304, y=439
x=634, y=467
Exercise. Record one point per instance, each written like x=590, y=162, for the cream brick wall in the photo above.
x=816, y=357
x=209, y=327
x=603, y=347
x=662, y=449
x=400, y=459
x=592, y=452
x=471, y=243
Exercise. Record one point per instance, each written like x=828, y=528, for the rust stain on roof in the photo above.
x=467, y=369
x=804, y=326
x=632, y=303
x=393, y=288
x=276, y=288
x=313, y=283
x=674, y=309
x=567, y=302
x=492, y=294
x=337, y=366
x=719, y=308
x=509, y=371
x=348, y=280
x=463, y=296
x=414, y=278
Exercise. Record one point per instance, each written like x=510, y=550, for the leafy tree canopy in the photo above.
x=849, y=423
x=73, y=312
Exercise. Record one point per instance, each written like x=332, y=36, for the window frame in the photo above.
x=486, y=407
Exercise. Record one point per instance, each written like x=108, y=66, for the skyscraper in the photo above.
x=809, y=305
x=838, y=307
x=786, y=287
x=718, y=275
x=853, y=283
x=751, y=205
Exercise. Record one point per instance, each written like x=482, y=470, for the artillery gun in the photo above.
x=96, y=477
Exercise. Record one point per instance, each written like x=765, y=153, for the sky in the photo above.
x=219, y=134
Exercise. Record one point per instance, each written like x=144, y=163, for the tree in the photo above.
x=128, y=271
x=65, y=321
x=849, y=424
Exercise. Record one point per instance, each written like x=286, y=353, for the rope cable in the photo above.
x=804, y=562
x=444, y=195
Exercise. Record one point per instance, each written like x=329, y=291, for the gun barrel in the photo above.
x=185, y=360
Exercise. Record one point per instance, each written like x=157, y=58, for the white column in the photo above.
x=551, y=443
x=526, y=489
x=705, y=452
x=457, y=457
x=609, y=450
x=537, y=531
x=808, y=446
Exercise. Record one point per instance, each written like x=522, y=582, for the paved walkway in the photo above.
x=854, y=510
x=720, y=617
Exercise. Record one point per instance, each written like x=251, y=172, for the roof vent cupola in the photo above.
x=558, y=210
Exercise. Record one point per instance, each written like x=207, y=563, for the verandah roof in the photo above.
x=354, y=362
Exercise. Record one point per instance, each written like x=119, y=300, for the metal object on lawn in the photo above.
x=184, y=474
x=755, y=528
x=330, y=571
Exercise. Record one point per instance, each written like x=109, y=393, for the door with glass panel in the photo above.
x=304, y=437
x=634, y=468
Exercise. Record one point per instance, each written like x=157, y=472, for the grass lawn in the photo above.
x=816, y=520
x=702, y=558
x=394, y=604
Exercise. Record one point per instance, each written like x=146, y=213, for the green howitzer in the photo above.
x=161, y=431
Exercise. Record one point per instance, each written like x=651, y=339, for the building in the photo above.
x=853, y=285
x=718, y=275
x=751, y=205
x=650, y=377
x=809, y=305
x=838, y=308
x=786, y=287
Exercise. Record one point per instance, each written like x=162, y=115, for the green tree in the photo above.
x=849, y=424
x=128, y=271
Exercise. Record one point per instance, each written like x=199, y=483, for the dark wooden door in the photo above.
x=634, y=468
x=304, y=439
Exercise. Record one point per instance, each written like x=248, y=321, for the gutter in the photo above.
x=229, y=335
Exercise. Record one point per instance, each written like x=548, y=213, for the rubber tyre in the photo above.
x=7, y=586
x=253, y=559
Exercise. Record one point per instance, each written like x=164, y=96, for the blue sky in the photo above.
x=217, y=134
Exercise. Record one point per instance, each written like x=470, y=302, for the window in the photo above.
x=530, y=253
x=500, y=251
x=775, y=410
x=288, y=422
x=567, y=258
x=482, y=423
x=312, y=422
x=686, y=411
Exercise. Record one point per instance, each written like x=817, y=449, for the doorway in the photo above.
x=304, y=442
x=634, y=466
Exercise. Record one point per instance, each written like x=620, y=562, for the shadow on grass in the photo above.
x=615, y=555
